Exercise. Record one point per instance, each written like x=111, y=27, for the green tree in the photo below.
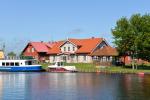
x=11, y=54
x=132, y=36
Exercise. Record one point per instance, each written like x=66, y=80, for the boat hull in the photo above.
x=20, y=68
x=60, y=70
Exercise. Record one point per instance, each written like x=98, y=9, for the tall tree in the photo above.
x=132, y=36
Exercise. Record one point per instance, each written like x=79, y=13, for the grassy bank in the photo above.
x=84, y=67
x=89, y=67
x=114, y=69
x=44, y=65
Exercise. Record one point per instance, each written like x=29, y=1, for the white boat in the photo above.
x=58, y=66
x=19, y=65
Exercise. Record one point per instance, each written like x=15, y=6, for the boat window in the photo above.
x=7, y=64
x=60, y=63
x=16, y=64
x=28, y=62
x=33, y=62
x=11, y=64
x=3, y=64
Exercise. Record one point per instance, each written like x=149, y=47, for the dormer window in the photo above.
x=68, y=48
x=73, y=48
x=64, y=48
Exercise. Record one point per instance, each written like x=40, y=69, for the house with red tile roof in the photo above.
x=70, y=50
x=76, y=50
x=37, y=50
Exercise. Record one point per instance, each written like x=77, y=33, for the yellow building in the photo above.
x=1, y=54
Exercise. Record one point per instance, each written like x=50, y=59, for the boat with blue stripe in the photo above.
x=19, y=65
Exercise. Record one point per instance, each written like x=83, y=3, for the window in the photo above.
x=64, y=48
x=7, y=64
x=60, y=63
x=68, y=48
x=108, y=58
x=3, y=64
x=28, y=63
x=11, y=64
x=77, y=58
x=16, y=64
x=54, y=58
x=73, y=48
x=84, y=58
x=32, y=49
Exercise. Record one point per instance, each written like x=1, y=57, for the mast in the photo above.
x=3, y=49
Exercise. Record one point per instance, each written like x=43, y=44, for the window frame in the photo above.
x=73, y=48
x=64, y=49
x=68, y=48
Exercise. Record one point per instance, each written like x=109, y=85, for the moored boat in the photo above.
x=59, y=67
x=19, y=66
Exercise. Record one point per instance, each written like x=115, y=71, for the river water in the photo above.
x=73, y=86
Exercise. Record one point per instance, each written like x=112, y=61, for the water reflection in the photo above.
x=13, y=86
x=134, y=87
x=73, y=86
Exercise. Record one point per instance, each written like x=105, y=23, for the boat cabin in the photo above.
x=58, y=64
x=17, y=62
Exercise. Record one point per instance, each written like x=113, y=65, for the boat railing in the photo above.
x=15, y=58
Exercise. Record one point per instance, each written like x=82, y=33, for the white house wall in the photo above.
x=54, y=58
x=67, y=45
x=82, y=60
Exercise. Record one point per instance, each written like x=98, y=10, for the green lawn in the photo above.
x=44, y=65
x=89, y=67
x=84, y=67
x=114, y=69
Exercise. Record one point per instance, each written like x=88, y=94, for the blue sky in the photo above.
x=46, y=20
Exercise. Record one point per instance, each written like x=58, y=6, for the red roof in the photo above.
x=105, y=51
x=39, y=46
x=86, y=45
x=56, y=47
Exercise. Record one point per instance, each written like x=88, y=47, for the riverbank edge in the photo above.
x=110, y=72
x=90, y=68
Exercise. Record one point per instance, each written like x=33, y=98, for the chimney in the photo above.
x=93, y=37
